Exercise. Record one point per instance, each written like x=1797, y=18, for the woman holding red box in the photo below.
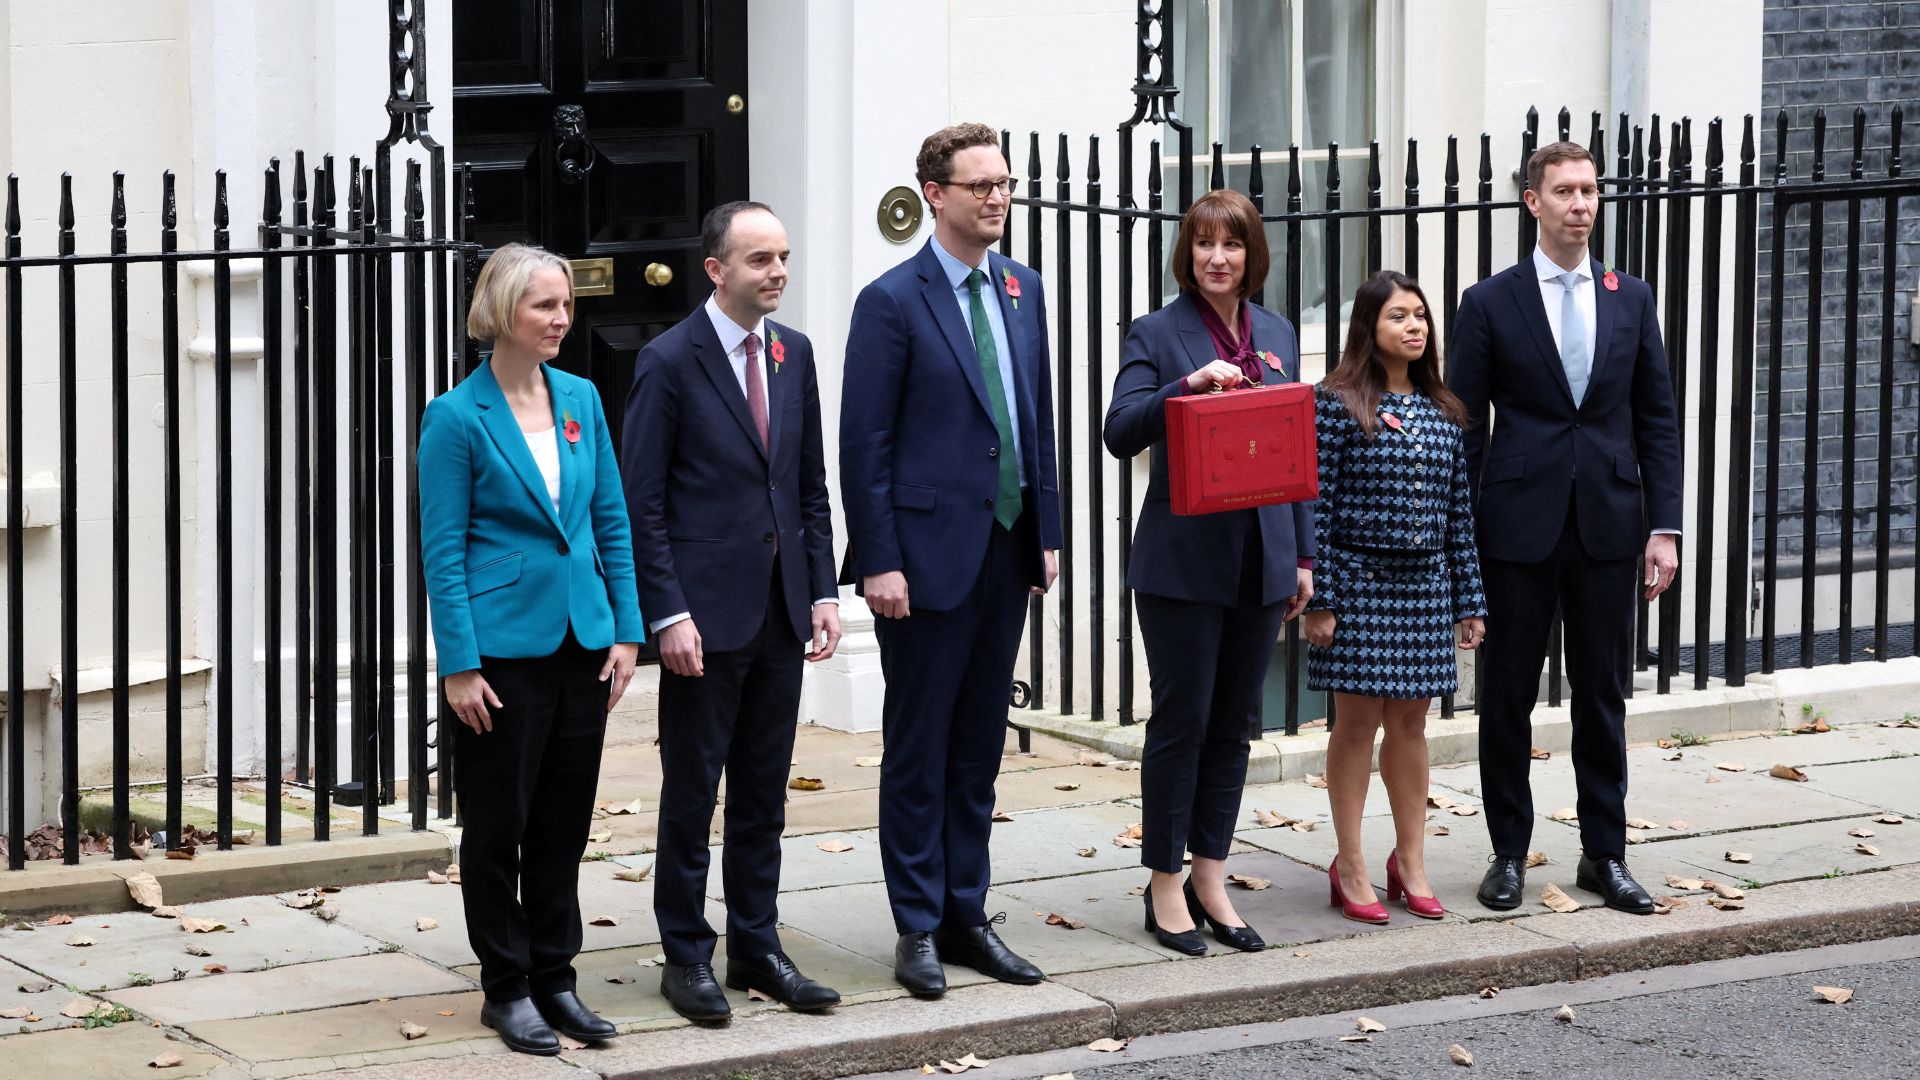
x=1399, y=581
x=1213, y=590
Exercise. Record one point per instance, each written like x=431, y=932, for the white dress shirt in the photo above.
x=957, y=274
x=733, y=338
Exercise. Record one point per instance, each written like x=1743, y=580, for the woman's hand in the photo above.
x=1303, y=586
x=619, y=667
x=1219, y=373
x=1472, y=632
x=469, y=696
x=1318, y=626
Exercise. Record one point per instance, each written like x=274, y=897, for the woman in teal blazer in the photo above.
x=528, y=563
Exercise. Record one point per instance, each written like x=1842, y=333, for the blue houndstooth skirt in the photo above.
x=1394, y=637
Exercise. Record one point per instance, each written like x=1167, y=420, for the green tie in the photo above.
x=1006, y=501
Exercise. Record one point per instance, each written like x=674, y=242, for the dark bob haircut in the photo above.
x=1226, y=213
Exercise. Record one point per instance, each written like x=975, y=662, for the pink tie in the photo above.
x=756, y=389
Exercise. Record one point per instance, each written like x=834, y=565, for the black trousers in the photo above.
x=738, y=717
x=526, y=792
x=1596, y=597
x=1206, y=666
x=949, y=677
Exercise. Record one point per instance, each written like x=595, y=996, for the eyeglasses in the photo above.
x=982, y=188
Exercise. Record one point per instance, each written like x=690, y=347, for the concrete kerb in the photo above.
x=49, y=888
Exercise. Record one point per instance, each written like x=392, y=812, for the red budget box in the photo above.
x=1241, y=448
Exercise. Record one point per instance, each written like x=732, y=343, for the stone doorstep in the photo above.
x=98, y=884
x=1717, y=712
x=1367, y=971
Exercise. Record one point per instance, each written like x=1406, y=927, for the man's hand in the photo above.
x=1304, y=580
x=680, y=649
x=886, y=594
x=1318, y=626
x=826, y=632
x=468, y=695
x=1472, y=632
x=1663, y=561
x=619, y=669
x=1052, y=560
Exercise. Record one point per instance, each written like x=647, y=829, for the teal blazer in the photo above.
x=505, y=575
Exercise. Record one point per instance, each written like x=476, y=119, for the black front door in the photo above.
x=604, y=130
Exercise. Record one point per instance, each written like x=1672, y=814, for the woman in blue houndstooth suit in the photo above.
x=1399, y=578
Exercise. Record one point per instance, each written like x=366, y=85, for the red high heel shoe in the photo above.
x=1427, y=907
x=1375, y=912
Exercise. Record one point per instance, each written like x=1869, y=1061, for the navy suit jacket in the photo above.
x=1617, y=454
x=707, y=500
x=1170, y=551
x=919, y=453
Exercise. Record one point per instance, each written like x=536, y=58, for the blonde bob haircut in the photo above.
x=502, y=282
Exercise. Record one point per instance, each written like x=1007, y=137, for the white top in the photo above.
x=546, y=454
x=1551, y=292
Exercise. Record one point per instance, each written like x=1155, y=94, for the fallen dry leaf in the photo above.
x=1537, y=858
x=307, y=898
x=1086, y=852
x=1368, y=1024
x=1641, y=823
x=971, y=1062
x=1787, y=772
x=631, y=808
x=601, y=837
x=1356, y=1038
x=806, y=783
x=168, y=911
x=145, y=890
x=57, y=920
x=605, y=920
x=834, y=846
x=167, y=1060
x=568, y=1042
x=1247, y=881
x=1677, y=826
x=1556, y=898
x=1439, y=830
x=1834, y=995
x=80, y=941
x=621, y=979
x=15, y=1013
x=411, y=1031
x=1815, y=726
x=1302, y=953
x=1538, y=754
x=448, y=1012
x=1057, y=1076
x=755, y=995
x=1463, y=811
x=1664, y=744
x=1565, y=813
x=1314, y=780
x=1089, y=758
x=1675, y=881
x=1002, y=817
x=425, y=922
x=1459, y=1056
x=867, y=762
x=653, y=961
x=38, y=986
x=1636, y=836
x=1675, y=756
x=1268, y=819
x=1108, y=1046
x=1303, y=826
x=1438, y=802
x=1125, y=766
x=1866, y=849
x=1861, y=833
x=80, y=1007
x=1565, y=1015
x=453, y=877
x=326, y=914
x=1889, y=819
x=1739, y=857
x=194, y=948
x=1489, y=992
x=215, y=968
x=1726, y=892
x=435, y=877
x=1731, y=766
x=630, y=873
x=1057, y=919
x=1066, y=787
x=1725, y=905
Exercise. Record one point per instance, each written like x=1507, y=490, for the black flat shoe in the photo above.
x=916, y=965
x=979, y=948
x=520, y=1026
x=569, y=1016
x=1244, y=938
x=1505, y=883
x=1186, y=941
x=1608, y=876
x=775, y=976
x=694, y=993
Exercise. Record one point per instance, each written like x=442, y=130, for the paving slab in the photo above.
x=1879, y=785
x=464, y=1061
x=1020, y=789
x=1041, y=843
x=45, y=1005
x=113, y=1053
x=1796, y=852
x=347, y=1031
x=1297, y=800
x=262, y=932
x=322, y=984
x=856, y=918
x=388, y=912
x=885, y=1035
x=804, y=866
x=1845, y=742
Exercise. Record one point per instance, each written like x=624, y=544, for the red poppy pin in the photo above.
x=571, y=429
x=1274, y=363
x=1390, y=420
x=776, y=349
x=1611, y=280
x=1013, y=287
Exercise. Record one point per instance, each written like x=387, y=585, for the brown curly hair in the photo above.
x=935, y=162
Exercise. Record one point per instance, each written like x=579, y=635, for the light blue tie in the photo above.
x=1573, y=339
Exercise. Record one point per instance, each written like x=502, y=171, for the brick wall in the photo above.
x=1839, y=56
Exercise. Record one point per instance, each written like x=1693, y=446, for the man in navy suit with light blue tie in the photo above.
x=953, y=519
x=727, y=485
x=1579, y=476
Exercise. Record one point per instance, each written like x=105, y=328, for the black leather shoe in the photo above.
x=916, y=965
x=1244, y=938
x=694, y=992
x=775, y=976
x=979, y=948
x=520, y=1026
x=569, y=1016
x=1608, y=876
x=1185, y=942
x=1505, y=883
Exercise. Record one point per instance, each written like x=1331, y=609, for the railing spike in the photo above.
x=1293, y=176
x=1217, y=174
x=1093, y=159
x=270, y=201
x=1893, y=145
x=1452, y=173
x=1063, y=170
x=1858, y=167
x=1413, y=164
x=1566, y=124
x=1780, y=147
x=119, y=215
x=169, y=210
x=13, y=204
x=1256, y=182
x=1747, y=150
x=220, y=199
x=66, y=201
x=1819, y=144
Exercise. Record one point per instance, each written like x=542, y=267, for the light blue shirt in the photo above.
x=957, y=273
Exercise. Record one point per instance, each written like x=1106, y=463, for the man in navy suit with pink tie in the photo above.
x=953, y=520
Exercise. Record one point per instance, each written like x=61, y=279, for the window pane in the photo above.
x=1337, y=80
x=1256, y=49
x=1191, y=70
x=1313, y=241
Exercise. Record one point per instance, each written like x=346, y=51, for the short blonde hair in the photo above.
x=503, y=281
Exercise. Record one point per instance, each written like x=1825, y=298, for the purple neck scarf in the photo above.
x=1241, y=354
